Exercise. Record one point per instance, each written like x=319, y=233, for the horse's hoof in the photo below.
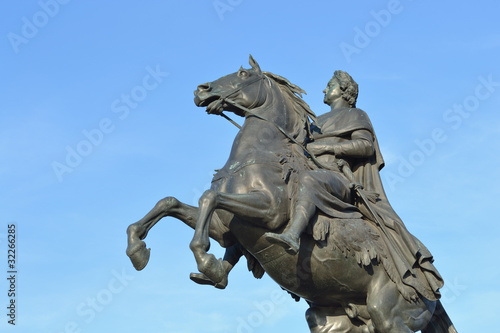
x=139, y=255
x=290, y=245
x=214, y=270
x=201, y=278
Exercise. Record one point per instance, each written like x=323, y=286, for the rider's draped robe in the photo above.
x=410, y=258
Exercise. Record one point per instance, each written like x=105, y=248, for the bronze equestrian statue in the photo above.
x=303, y=201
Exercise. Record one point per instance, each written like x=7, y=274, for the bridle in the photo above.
x=224, y=99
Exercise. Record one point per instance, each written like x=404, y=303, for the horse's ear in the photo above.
x=254, y=64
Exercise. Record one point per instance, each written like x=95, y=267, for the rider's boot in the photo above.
x=231, y=257
x=290, y=239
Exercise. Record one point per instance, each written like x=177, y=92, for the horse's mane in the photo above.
x=294, y=94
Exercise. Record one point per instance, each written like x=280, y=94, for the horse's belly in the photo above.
x=321, y=275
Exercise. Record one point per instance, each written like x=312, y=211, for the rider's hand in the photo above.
x=315, y=148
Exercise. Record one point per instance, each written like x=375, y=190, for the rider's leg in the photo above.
x=329, y=184
x=303, y=212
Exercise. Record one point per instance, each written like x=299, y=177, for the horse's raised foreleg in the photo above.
x=256, y=207
x=138, y=231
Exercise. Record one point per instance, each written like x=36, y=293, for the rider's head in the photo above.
x=348, y=86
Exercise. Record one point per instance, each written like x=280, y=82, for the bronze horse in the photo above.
x=253, y=193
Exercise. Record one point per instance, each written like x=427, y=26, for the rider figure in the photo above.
x=327, y=189
x=346, y=133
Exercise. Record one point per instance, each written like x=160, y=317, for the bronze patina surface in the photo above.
x=301, y=198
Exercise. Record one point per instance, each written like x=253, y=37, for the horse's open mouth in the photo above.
x=200, y=101
x=213, y=103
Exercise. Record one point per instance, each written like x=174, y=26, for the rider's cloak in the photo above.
x=411, y=259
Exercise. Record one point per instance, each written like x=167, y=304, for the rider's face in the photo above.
x=332, y=91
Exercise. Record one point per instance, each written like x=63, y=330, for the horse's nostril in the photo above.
x=205, y=87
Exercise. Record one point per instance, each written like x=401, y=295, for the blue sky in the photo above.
x=81, y=160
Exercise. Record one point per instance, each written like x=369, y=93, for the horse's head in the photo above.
x=244, y=88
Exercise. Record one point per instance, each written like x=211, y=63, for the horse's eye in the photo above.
x=243, y=73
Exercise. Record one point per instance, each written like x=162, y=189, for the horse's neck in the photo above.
x=279, y=111
x=261, y=137
x=256, y=137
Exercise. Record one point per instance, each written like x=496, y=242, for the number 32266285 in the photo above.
x=11, y=253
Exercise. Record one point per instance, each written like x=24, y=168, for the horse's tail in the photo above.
x=440, y=322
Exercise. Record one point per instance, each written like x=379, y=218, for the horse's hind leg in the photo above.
x=390, y=312
x=333, y=320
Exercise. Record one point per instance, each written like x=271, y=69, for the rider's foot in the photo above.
x=201, y=278
x=291, y=244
